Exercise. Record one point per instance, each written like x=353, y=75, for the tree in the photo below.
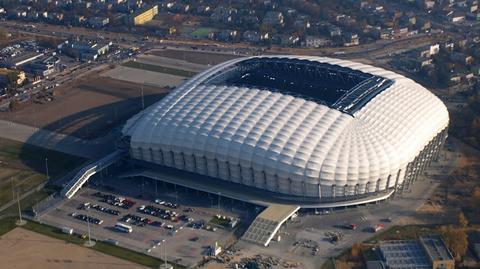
x=456, y=240
x=12, y=79
x=476, y=193
x=355, y=251
x=50, y=42
x=462, y=220
x=14, y=104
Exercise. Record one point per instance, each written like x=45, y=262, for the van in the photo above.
x=67, y=230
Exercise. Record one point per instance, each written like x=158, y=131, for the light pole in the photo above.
x=165, y=251
x=13, y=189
x=141, y=92
x=46, y=167
x=89, y=243
x=20, y=222
x=218, y=203
x=164, y=265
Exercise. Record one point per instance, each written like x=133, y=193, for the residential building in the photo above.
x=144, y=15
x=273, y=18
x=316, y=42
x=98, y=22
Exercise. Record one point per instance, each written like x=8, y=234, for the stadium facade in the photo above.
x=306, y=127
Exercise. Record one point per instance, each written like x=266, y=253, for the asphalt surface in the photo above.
x=187, y=246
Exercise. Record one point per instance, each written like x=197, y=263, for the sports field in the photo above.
x=159, y=69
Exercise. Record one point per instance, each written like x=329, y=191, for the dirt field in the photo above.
x=25, y=249
x=88, y=107
x=198, y=57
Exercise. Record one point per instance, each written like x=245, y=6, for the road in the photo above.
x=129, y=39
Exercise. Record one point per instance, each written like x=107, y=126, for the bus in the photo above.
x=123, y=228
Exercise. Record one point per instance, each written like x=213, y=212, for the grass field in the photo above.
x=159, y=69
x=201, y=32
x=22, y=167
x=19, y=155
x=28, y=202
x=9, y=223
x=6, y=225
x=221, y=222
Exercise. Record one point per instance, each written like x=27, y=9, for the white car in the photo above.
x=160, y=202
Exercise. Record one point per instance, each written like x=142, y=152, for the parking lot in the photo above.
x=184, y=220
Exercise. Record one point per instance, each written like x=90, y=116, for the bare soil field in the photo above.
x=89, y=107
x=21, y=248
x=198, y=57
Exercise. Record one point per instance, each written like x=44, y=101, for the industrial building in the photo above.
x=85, y=51
x=429, y=252
x=21, y=59
x=43, y=67
x=144, y=15
x=306, y=130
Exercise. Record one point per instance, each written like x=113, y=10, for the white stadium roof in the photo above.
x=287, y=137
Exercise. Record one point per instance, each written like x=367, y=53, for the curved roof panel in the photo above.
x=293, y=136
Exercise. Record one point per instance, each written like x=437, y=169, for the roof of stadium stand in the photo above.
x=313, y=118
x=335, y=86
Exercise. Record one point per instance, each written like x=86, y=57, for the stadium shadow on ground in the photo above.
x=91, y=124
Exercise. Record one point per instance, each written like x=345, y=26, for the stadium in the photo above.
x=305, y=130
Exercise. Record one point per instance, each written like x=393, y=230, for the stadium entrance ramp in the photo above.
x=88, y=171
x=266, y=224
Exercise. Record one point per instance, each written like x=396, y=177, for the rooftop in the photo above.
x=436, y=248
x=338, y=87
x=420, y=253
x=404, y=254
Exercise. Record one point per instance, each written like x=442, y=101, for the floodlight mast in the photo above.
x=19, y=210
x=164, y=241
